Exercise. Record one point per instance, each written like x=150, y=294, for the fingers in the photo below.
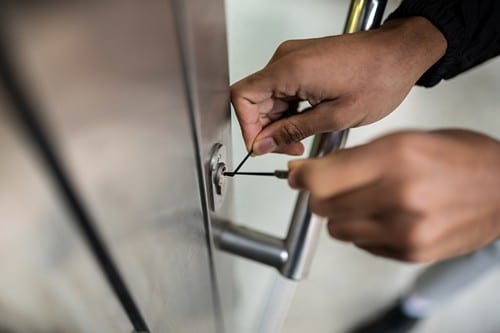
x=353, y=189
x=450, y=241
x=399, y=196
x=288, y=47
x=324, y=117
x=359, y=202
x=363, y=231
x=256, y=101
x=338, y=172
x=263, y=100
x=296, y=149
x=379, y=238
x=381, y=251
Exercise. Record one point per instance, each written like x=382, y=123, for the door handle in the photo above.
x=292, y=256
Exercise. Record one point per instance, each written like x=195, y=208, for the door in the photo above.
x=130, y=96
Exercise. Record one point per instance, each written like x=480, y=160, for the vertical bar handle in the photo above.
x=292, y=256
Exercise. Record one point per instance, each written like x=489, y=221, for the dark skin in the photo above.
x=413, y=196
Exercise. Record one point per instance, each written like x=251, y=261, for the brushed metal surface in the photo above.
x=50, y=281
x=207, y=62
x=293, y=256
x=216, y=178
x=305, y=227
x=107, y=75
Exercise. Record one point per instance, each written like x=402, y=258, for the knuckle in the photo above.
x=414, y=238
x=346, y=112
x=414, y=257
x=243, y=88
x=305, y=178
x=235, y=92
x=250, y=80
x=312, y=185
x=407, y=147
x=293, y=68
x=317, y=207
x=285, y=46
x=410, y=197
x=338, y=233
x=401, y=149
x=313, y=181
x=337, y=120
x=341, y=113
x=291, y=132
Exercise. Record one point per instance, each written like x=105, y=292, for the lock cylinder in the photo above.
x=219, y=178
x=217, y=167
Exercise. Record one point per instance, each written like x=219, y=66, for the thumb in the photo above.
x=255, y=102
x=337, y=172
x=323, y=117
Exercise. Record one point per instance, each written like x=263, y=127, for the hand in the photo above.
x=349, y=80
x=412, y=196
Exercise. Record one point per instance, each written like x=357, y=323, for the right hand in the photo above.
x=349, y=80
x=413, y=196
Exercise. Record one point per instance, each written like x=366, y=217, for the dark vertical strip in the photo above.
x=187, y=64
x=242, y=162
x=31, y=125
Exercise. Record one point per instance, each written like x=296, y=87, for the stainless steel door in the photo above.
x=49, y=281
x=106, y=79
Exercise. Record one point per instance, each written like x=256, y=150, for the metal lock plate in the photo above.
x=217, y=167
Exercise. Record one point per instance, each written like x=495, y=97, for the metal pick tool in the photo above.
x=241, y=163
x=281, y=174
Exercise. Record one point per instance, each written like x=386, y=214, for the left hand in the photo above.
x=349, y=80
x=411, y=196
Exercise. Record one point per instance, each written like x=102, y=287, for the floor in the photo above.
x=346, y=284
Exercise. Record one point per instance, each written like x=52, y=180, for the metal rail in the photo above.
x=293, y=255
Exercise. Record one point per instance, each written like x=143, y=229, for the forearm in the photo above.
x=470, y=27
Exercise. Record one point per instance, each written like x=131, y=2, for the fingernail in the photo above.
x=292, y=179
x=264, y=146
x=292, y=182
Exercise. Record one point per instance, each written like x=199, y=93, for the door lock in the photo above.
x=217, y=167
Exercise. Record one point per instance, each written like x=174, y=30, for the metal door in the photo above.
x=131, y=96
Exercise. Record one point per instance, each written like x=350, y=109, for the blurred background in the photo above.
x=104, y=73
x=346, y=285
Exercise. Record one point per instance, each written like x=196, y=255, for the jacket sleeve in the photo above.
x=471, y=27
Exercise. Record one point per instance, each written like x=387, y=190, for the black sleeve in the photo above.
x=471, y=27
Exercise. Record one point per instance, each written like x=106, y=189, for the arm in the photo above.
x=357, y=79
x=471, y=28
x=349, y=80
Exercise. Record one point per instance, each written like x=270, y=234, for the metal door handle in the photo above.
x=293, y=255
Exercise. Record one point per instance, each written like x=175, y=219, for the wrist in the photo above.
x=417, y=43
